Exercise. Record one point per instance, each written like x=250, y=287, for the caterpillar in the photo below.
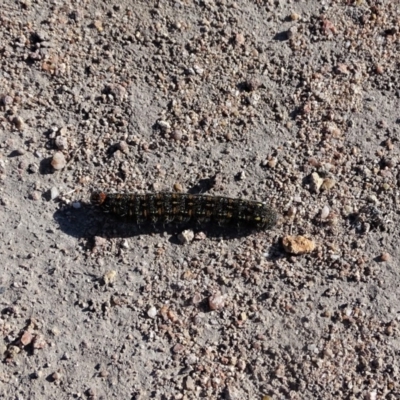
x=187, y=208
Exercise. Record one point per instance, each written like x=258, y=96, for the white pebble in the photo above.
x=125, y=244
x=297, y=199
x=54, y=193
x=325, y=212
x=164, y=124
x=316, y=182
x=186, y=237
x=152, y=312
x=58, y=162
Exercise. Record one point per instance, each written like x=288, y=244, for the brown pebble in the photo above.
x=172, y=316
x=58, y=161
x=328, y=184
x=379, y=69
x=26, y=338
x=298, y=245
x=178, y=187
x=385, y=256
x=272, y=162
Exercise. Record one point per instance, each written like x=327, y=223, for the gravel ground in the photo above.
x=295, y=103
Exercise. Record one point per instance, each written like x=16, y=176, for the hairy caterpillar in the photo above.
x=187, y=208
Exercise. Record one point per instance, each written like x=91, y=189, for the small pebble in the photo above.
x=164, y=125
x=298, y=245
x=197, y=298
x=109, y=276
x=191, y=359
x=373, y=199
x=379, y=69
x=216, y=301
x=33, y=168
x=172, y=316
x=58, y=161
x=292, y=211
x=292, y=32
x=6, y=100
x=61, y=143
x=328, y=184
x=189, y=383
x=316, y=182
x=178, y=187
x=200, y=236
x=228, y=136
x=125, y=244
x=98, y=25
x=56, y=376
x=26, y=338
x=99, y=241
x=39, y=342
x=186, y=236
x=294, y=16
x=35, y=195
x=54, y=193
x=177, y=135
x=272, y=162
x=123, y=146
x=152, y=312
x=239, y=39
x=178, y=348
x=325, y=212
x=385, y=257
x=241, y=175
x=18, y=123
x=20, y=151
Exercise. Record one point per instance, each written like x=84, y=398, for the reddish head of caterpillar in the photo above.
x=98, y=198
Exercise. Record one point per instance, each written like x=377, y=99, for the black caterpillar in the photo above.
x=187, y=208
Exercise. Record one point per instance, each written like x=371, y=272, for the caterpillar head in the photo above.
x=97, y=198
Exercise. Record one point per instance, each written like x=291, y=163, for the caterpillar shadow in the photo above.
x=88, y=221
